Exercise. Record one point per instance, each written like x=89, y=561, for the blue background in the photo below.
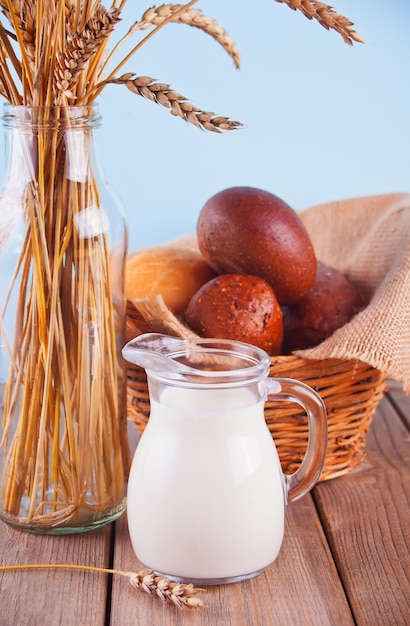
x=323, y=120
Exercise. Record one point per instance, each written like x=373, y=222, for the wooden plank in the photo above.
x=301, y=588
x=400, y=400
x=366, y=517
x=51, y=597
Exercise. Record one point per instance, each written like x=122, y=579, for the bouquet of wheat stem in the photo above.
x=64, y=426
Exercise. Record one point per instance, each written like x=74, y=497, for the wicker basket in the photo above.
x=351, y=391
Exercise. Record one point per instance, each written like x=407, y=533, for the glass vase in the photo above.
x=64, y=455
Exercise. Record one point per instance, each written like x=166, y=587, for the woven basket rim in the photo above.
x=350, y=389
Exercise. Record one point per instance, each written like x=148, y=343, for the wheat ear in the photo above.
x=22, y=19
x=161, y=93
x=80, y=49
x=326, y=16
x=191, y=17
x=180, y=594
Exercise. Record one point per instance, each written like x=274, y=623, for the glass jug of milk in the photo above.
x=206, y=493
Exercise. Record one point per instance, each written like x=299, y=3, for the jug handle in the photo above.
x=308, y=473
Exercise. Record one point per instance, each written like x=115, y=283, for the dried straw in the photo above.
x=67, y=455
x=55, y=52
x=64, y=422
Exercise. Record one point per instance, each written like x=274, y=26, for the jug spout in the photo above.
x=153, y=352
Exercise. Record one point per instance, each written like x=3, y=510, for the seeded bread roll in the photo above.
x=330, y=304
x=239, y=307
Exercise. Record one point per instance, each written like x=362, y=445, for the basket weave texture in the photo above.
x=368, y=240
x=351, y=391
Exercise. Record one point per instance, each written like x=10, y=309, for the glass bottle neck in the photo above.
x=46, y=119
x=39, y=139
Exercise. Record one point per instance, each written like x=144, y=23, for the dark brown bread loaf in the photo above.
x=328, y=305
x=251, y=231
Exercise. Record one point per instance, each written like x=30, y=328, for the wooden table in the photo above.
x=345, y=558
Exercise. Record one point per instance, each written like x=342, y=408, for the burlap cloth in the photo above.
x=368, y=239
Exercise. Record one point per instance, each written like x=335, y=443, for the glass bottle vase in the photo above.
x=64, y=454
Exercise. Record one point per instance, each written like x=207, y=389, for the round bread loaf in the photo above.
x=239, y=307
x=172, y=272
x=251, y=231
x=328, y=305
